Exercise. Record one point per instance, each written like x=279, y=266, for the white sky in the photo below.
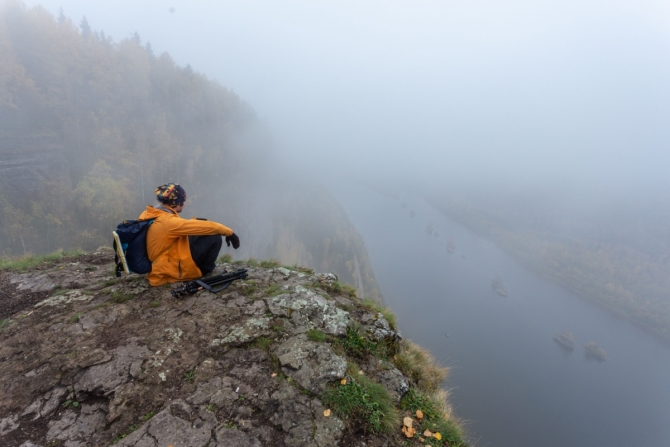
x=521, y=93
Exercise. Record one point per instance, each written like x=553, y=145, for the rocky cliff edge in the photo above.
x=87, y=359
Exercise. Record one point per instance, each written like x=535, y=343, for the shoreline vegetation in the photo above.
x=615, y=276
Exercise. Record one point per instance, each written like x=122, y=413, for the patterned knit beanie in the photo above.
x=171, y=194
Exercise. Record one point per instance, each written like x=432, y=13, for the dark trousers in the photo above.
x=204, y=251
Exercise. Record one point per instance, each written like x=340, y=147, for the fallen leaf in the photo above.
x=419, y=414
x=274, y=375
x=428, y=434
x=360, y=372
x=410, y=432
x=446, y=415
x=343, y=382
x=421, y=439
x=326, y=413
x=438, y=436
x=404, y=429
x=407, y=422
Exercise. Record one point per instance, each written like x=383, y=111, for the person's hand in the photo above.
x=234, y=239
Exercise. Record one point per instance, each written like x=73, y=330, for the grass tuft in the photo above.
x=75, y=318
x=249, y=287
x=385, y=311
x=119, y=297
x=273, y=290
x=419, y=365
x=225, y=259
x=189, y=376
x=316, y=335
x=269, y=263
x=29, y=261
x=125, y=433
x=263, y=343
x=436, y=417
x=339, y=288
x=252, y=262
x=4, y=323
x=362, y=400
x=355, y=344
x=154, y=304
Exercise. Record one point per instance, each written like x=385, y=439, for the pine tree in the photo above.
x=85, y=28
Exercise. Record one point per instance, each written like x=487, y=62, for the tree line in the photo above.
x=126, y=120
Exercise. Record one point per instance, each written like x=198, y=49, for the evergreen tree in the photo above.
x=85, y=28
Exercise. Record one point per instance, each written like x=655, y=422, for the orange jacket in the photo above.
x=167, y=245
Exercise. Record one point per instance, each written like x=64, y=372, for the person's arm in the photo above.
x=193, y=227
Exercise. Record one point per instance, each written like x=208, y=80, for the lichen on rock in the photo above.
x=113, y=360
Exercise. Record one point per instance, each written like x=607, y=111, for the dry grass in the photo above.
x=419, y=365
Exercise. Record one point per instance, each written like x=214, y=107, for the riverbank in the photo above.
x=584, y=270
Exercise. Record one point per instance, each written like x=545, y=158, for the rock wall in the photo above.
x=27, y=164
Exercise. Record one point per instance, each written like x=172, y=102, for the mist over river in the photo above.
x=510, y=382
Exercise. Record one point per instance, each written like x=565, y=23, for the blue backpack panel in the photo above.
x=130, y=246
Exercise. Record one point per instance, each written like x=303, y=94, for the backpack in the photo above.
x=130, y=247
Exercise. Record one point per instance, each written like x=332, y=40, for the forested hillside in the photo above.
x=89, y=127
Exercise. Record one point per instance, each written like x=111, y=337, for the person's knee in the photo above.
x=217, y=241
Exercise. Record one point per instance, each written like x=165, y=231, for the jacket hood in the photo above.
x=152, y=213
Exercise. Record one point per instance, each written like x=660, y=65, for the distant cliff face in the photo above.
x=88, y=359
x=30, y=164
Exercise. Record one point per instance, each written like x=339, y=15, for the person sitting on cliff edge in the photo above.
x=181, y=249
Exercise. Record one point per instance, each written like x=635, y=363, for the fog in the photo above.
x=561, y=96
x=532, y=135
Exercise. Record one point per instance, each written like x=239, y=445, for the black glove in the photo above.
x=234, y=239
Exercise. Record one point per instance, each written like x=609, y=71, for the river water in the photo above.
x=510, y=382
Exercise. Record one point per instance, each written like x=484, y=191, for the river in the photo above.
x=510, y=382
